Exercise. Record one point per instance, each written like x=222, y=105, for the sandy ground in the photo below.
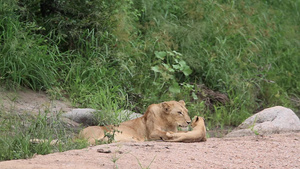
x=274, y=151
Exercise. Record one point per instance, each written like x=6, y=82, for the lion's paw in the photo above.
x=169, y=134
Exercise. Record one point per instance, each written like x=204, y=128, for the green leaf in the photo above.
x=187, y=70
x=160, y=55
x=168, y=67
x=170, y=53
x=175, y=88
x=194, y=96
x=182, y=63
x=155, y=68
x=166, y=76
x=177, y=53
x=177, y=67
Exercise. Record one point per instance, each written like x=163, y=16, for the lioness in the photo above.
x=196, y=135
x=153, y=125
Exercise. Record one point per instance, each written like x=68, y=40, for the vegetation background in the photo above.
x=226, y=58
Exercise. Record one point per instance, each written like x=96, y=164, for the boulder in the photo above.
x=272, y=120
x=86, y=116
x=83, y=116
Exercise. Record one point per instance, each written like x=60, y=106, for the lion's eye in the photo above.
x=180, y=112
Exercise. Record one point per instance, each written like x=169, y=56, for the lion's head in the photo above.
x=175, y=112
x=197, y=120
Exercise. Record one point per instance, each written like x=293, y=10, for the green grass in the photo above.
x=18, y=130
x=107, y=54
x=24, y=58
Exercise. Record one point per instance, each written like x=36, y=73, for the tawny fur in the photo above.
x=196, y=135
x=153, y=125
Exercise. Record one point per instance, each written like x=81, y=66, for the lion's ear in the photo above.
x=197, y=118
x=182, y=102
x=165, y=106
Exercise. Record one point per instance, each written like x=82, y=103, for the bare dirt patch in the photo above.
x=274, y=151
x=28, y=101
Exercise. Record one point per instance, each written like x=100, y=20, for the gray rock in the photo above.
x=128, y=115
x=272, y=120
x=86, y=116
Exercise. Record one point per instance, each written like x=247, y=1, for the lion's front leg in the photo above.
x=175, y=137
x=158, y=135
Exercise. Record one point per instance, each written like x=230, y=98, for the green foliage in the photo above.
x=245, y=50
x=23, y=54
x=170, y=65
x=114, y=55
x=110, y=136
x=18, y=131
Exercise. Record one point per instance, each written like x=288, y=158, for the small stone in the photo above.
x=103, y=151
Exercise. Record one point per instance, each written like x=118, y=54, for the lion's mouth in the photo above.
x=186, y=128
